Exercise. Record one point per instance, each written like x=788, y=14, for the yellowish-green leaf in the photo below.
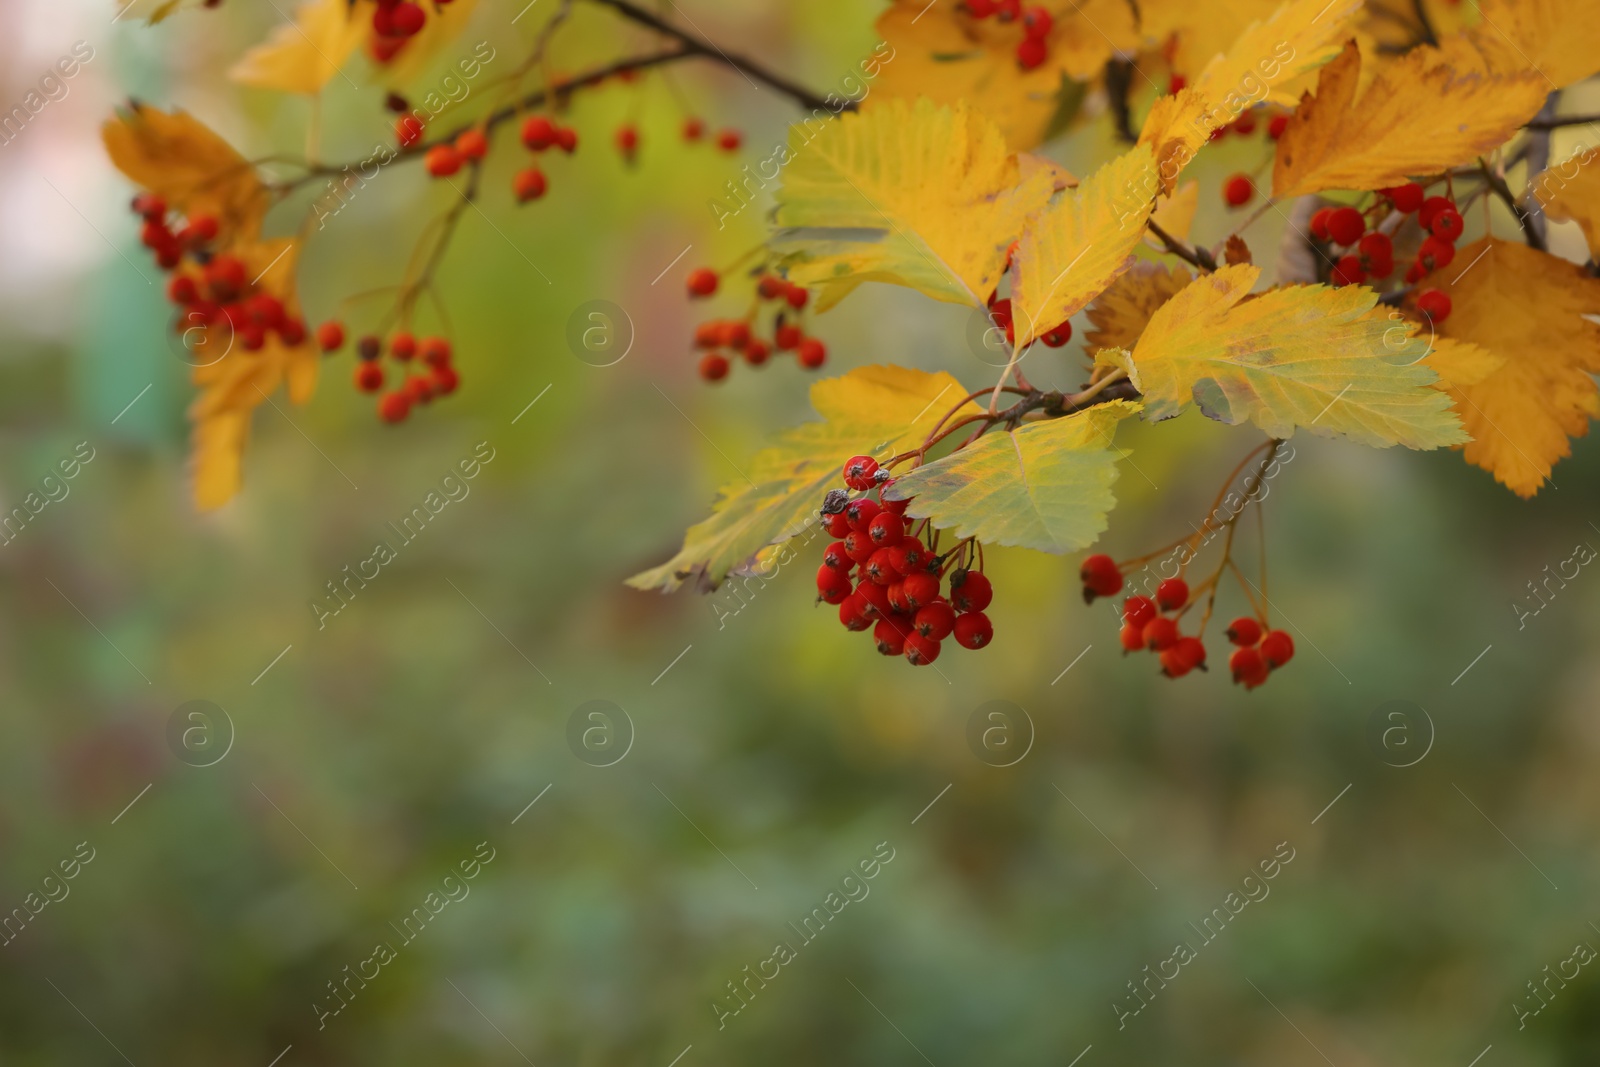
x=1306, y=356
x=1082, y=242
x=916, y=195
x=875, y=411
x=1428, y=111
x=300, y=57
x=1046, y=485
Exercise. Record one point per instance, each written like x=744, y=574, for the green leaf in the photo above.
x=1307, y=356
x=876, y=411
x=1046, y=486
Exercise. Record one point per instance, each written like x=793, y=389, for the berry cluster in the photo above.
x=883, y=578
x=737, y=335
x=1037, y=22
x=444, y=160
x=435, y=353
x=1371, y=254
x=394, y=23
x=539, y=132
x=694, y=131
x=1258, y=653
x=212, y=288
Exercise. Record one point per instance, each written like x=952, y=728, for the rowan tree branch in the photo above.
x=1498, y=186
x=1556, y=122
x=1196, y=256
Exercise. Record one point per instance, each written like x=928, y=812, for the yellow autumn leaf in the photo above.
x=1570, y=192
x=1460, y=363
x=1560, y=39
x=1081, y=242
x=301, y=56
x=232, y=381
x=1529, y=308
x=876, y=411
x=1121, y=313
x=1301, y=35
x=1425, y=112
x=1309, y=356
x=943, y=54
x=916, y=195
x=198, y=173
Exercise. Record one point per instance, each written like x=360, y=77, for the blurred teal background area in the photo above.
x=428, y=724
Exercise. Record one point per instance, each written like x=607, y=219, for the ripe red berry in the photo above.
x=402, y=346
x=860, y=472
x=890, y=637
x=1248, y=667
x=472, y=144
x=1435, y=254
x=861, y=512
x=1172, y=594
x=627, y=139
x=886, y=529
x=1405, y=198
x=442, y=160
x=1187, y=654
x=880, y=568
x=1138, y=610
x=182, y=289
x=1446, y=225
x=1277, y=648
x=876, y=598
x=394, y=407
x=771, y=287
x=1244, y=631
x=907, y=556
x=693, y=129
x=1434, y=304
x=1031, y=53
x=330, y=336
x=226, y=275
x=729, y=140
x=973, y=630
x=836, y=524
x=1008, y=10
x=970, y=591
x=567, y=138
x=1060, y=335
x=1430, y=208
x=735, y=333
x=1346, y=225
x=1377, y=249
x=528, y=184
x=897, y=506
x=292, y=331
x=787, y=337
x=920, y=650
x=1348, y=271
x=1245, y=123
x=1276, y=125
x=898, y=603
x=538, y=133
x=151, y=206
x=1160, y=633
x=202, y=228
x=1036, y=23
x=921, y=589
x=756, y=352
x=811, y=353
x=1319, y=224
x=702, y=281
x=1100, y=577
x=795, y=296
x=369, y=377
x=980, y=9
x=713, y=366
x=832, y=585
x=935, y=620
x=853, y=612
x=1131, y=636
x=406, y=19
x=858, y=546
x=1238, y=190
x=835, y=556
x=435, y=351
x=408, y=130
x=1176, y=84
x=445, y=380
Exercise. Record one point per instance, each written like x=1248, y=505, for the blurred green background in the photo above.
x=769, y=754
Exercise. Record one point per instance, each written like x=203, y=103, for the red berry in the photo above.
x=1138, y=610
x=1434, y=304
x=713, y=366
x=442, y=160
x=1405, y=198
x=1244, y=631
x=1376, y=249
x=394, y=407
x=182, y=290
x=1058, y=336
x=1008, y=10
x=1276, y=125
x=1131, y=636
x=860, y=472
x=330, y=336
x=730, y=140
x=1348, y=271
x=787, y=337
x=861, y=512
x=897, y=506
x=201, y=228
x=435, y=351
x=472, y=144
x=886, y=529
x=226, y=275
x=876, y=598
x=1176, y=83
x=973, y=630
x=858, y=546
x=1190, y=652
x=292, y=332
x=935, y=620
x=1319, y=223
x=921, y=650
x=832, y=585
x=445, y=380
x=1172, y=594
x=408, y=131
x=538, y=133
x=891, y=637
x=1435, y=254
x=1430, y=208
x=735, y=333
x=907, y=556
x=811, y=353
x=795, y=296
x=1100, y=577
x=836, y=524
x=402, y=346
x=1346, y=225
x=702, y=281
x=1245, y=123
x=853, y=612
x=693, y=129
x=756, y=352
x=970, y=591
x=897, y=598
x=406, y=19
x=1036, y=22
x=628, y=139
x=1238, y=190
x=771, y=287
x=1248, y=667
x=369, y=377
x=1160, y=633
x=567, y=138
x=921, y=589
x=151, y=206
x=528, y=184
x=1277, y=648
x=836, y=557
x=1031, y=53
x=980, y=9
x=1446, y=225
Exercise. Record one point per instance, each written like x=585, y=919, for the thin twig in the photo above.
x=1498, y=186
x=1196, y=256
